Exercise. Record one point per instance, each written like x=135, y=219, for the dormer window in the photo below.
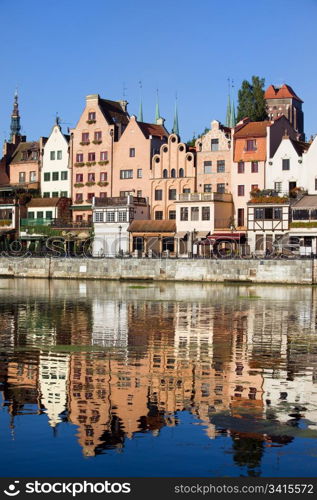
x=214, y=144
x=251, y=145
x=24, y=155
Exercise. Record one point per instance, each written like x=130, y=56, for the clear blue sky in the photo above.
x=57, y=52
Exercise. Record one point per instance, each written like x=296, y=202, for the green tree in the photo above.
x=251, y=100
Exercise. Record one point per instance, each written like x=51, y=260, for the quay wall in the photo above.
x=302, y=272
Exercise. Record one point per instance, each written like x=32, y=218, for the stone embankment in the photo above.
x=298, y=271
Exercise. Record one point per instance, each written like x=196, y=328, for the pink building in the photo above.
x=25, y=164
x=92, y=150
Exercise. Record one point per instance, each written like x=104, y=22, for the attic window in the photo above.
x=91, y=115
x=24, y=155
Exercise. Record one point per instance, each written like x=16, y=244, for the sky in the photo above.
x=57, y=52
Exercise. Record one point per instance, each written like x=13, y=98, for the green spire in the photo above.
x=15, y=126
x=157, y=109
x=233, y=115
x=140, y=114
x=175, y=129
x=229, y=111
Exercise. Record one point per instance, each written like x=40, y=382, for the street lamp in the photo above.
x=120, y=229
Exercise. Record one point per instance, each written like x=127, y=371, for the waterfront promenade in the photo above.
x=280, y=271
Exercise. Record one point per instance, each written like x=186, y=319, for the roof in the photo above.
x=282, y=92
x=300, y=146
x=43, y=202
x=253, y=129
x=152, y=129
x=24, y=146
x=113, y=112
x=307, y=201
x=152, y=226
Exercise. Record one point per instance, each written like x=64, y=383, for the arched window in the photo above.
x=181, y=172
x=173, y=172
x=165, y=173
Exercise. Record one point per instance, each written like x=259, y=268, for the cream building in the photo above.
x=56, y=173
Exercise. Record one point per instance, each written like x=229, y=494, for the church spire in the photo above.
x=233, y=115
x=175, y=129
x=229, y=109
x=157, y=108
x=140, y=114
x=15, y=126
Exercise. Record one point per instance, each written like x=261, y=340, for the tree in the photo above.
x=192, y=141
x=251, y=100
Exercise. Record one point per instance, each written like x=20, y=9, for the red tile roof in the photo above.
x=152, y=129
x=253, y=129
x=152, y=226
x=283, y=92
x=44, y=202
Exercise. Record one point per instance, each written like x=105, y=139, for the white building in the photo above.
x=55, y=174
x=111, y=219
x=310, y=159
x=288, y=168
x=53, y=378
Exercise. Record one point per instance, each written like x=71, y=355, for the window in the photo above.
x=277, y=213
x=91, y=116
x=79, y=157
x=64, y=194
x=79, y=218
x=21, y=177
x=240, y=217
x=91, y=157
x=55, y=194
x=85, y=137
x=184, y=213
x=52, y=155
x=158, y=195
x=172, y=214
x=254, y=167
x=24, y=155
x=40, y=215
x=172, y=194
x=205, y=214
x=207, y=167
x=79, y=177
x=123, y=216
x=59, y=155
x=173, y=172
x=98, y=136
x=132, y=152
x=46, y=195
x=285, y=164
x=99, y=217
x=103, y=195
x=241, y=190
x=254, y=187
x=64, y=175
x=165, y=173
x=55, y=176
x=103, y=176
x=207, y=188
x=91, y=177
x=139, y=193
x=124, y=194
x=49, y=215
x=278, y=186
x=186, y=190
x=32, y=176
x=194, y=213
x=30, y=215
x=181, y=172
x=221, y=188
x=110, y=216
x=126, y=174
x=251, y=145
x=104, y=156
x=79, y=196
x=214, y=144
x=158, y=215
x=47, y=176
x=241, y=167
x=220, y=166
x=139, y=173
x=90, y=196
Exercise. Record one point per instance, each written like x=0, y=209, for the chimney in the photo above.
x=124, y=105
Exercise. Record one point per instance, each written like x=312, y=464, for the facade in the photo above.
x=214, y=160
x=310, y=164
x=152, y=238
x=133, y=155
x=287, y=169
x=254, y=143
x=111, y=218
x=25, y=165
x=55, y=172
x=47, y=209
x=173, y=173
x=283, y=101
x=92, y=149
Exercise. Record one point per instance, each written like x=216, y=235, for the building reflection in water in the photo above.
x=117, y=360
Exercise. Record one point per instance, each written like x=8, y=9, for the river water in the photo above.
x=121, y=379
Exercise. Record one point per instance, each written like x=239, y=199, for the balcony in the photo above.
x=35, y=222
x=204, y=197
x=53, y=223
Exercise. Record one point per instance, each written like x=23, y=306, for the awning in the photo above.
x=226, y=236
x=181, y=234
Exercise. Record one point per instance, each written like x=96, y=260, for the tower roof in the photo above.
x=282, y=92
x=15, y=126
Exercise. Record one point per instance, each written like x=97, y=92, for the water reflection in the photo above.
x=120, y=361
